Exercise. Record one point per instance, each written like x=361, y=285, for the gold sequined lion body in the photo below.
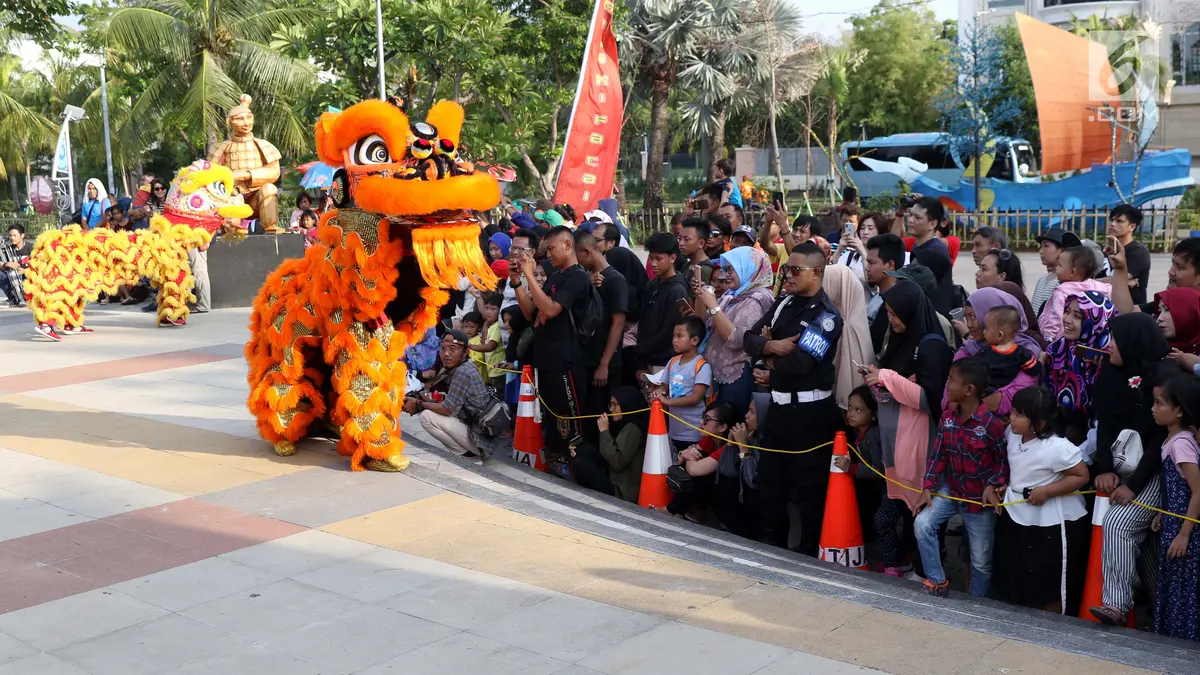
x=328, y=331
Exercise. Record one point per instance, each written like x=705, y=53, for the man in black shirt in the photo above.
x=557, y=355
x=885, y=253
x=925, y=217
x=602, y=354
x=16, y=250
x=1123, y=222
x=691, y=248
x=664, y=294
x=633, y=270
x=798, y=339
x=719, y=232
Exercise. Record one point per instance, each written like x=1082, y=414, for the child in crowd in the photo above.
x=1076, y=267
x=685, y=383
x=478, y=344
x=1042, y=543
x=615, y=467
x=1175, y=408
x=735, y=499
x=493, y=335
x=1005, y=358
x=307, y=224
x=875, y=509
x=968, y=461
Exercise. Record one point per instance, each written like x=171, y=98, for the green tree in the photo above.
x=1018, y=86
x=206, y=55
x=24, y=130
x=35, y=19
x=838, y=65
x=902, y=73
x=666, y=35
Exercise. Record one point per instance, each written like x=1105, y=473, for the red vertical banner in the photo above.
x=589, y=161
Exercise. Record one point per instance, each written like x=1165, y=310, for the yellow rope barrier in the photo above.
x=853, y=449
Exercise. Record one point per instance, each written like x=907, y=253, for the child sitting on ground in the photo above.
x=684, y=384
x=968, y=461
x=1005, y=358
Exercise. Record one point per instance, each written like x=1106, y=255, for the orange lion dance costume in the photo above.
x=328, y=331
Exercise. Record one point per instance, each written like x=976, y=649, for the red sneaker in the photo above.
x=941, y=590
x=77, y=330
x=48, y=331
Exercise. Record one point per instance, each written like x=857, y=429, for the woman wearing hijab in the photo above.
x=91, y=211
x=978, y=305
x=1124, y=395
x=908, y=385
x=615, y=468
x=498, y=245
x=1179, y=318
x=748, y=275
x=846, y=291
x=1073, y=360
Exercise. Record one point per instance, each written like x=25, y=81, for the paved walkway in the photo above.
x=144, y=529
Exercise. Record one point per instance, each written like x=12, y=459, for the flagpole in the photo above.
x=587, y=49
x=379, y=47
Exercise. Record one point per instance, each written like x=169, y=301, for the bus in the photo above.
x=1015, y=161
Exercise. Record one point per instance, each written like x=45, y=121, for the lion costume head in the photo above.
x=400, y=178
x=203, y=195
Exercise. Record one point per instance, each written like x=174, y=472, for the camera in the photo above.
x=907, y=201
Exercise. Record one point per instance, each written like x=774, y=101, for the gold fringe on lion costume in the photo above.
x=328, y=331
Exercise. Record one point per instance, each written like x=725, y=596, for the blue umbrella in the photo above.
x=318, y=176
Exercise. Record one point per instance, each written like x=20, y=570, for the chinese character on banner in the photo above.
x=589, y=162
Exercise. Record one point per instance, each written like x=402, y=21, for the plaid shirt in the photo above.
x=968, y=456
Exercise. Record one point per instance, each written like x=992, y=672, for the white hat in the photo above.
x=598, y=216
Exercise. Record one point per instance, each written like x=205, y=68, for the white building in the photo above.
x=1179, y=48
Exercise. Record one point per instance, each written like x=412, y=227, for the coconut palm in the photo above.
x=24, y=131
x=833, y=86
x=667, y=35
x=209, y=54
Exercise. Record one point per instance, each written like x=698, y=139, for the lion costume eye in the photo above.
x=370, y=150
x=217, y=187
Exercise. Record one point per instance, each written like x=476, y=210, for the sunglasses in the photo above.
x=794, y=270
x=160, y=189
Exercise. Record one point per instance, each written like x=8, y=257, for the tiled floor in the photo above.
x=145, y=530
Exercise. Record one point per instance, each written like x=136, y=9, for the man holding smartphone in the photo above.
x=666, y=295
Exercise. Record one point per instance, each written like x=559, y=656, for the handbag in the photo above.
x=495, y=420
x=679, y=480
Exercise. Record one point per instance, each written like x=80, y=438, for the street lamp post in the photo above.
x=112, y=189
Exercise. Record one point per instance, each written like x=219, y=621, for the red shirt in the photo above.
x=706, y=446
x=968, y=455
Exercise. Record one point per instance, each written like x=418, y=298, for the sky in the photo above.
x=830, y=19
x=820, y=16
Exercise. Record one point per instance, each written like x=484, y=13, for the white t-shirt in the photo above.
x=1034, y=464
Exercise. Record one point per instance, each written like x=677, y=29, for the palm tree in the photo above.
x=23, y=130
x=667, y=35
x=833, y=85
x=785, y=65
x=210, y=53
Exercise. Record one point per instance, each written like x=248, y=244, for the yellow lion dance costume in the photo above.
x=69, y=268
x=328, y=331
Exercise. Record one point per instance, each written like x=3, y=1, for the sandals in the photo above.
x=1108, y=615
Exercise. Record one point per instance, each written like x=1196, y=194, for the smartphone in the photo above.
x=696, y=273
x=685, y=307
x=777, y=199
x=1085, y=352
x=861, y=368
x=848, y=228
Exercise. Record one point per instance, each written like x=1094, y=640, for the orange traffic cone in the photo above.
x=841, y=530
x=654, y=491
x=1093, y=585
x=528, y=442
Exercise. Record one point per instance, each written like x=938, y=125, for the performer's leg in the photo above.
x=369, y=378
x=203, y=290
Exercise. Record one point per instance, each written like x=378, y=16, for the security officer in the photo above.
x=798, y=340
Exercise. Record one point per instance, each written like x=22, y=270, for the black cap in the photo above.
x=1059, y=237
x=457, y=337
x=918, y=274
x=746, y=230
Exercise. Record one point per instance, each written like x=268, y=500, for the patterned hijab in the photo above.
x=1070, y=376
x=753, y=267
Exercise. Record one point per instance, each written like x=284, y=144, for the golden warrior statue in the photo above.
x=255, y=165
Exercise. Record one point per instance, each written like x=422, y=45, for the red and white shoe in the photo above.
x=48, y=331
x=77, y=330
x=173, y=322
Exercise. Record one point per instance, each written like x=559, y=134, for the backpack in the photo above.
x=700, y=363
x=586, y=320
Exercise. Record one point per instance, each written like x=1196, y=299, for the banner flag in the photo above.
x=589, y=161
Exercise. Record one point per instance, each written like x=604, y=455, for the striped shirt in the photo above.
x=1042, y=292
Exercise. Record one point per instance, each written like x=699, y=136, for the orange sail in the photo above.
x=1068, y=72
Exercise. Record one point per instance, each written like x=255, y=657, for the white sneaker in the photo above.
x=48, y=331
x=77, y=330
